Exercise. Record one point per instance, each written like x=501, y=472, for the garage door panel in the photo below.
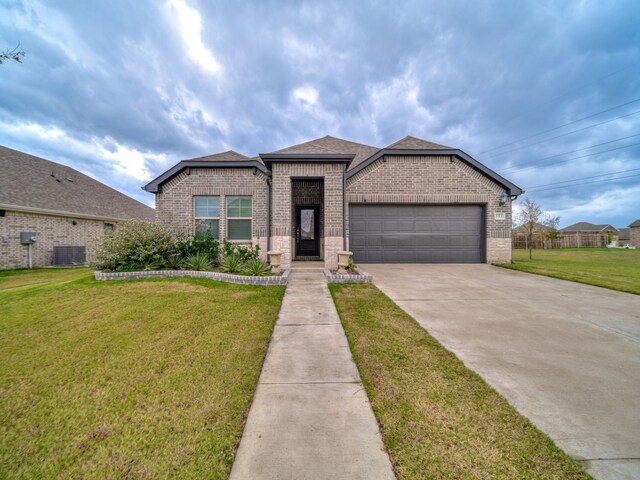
x=417, y=233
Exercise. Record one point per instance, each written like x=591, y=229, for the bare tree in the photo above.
x=552, y=231
x=15, y=55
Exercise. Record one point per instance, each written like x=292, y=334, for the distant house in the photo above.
x=67, y=210
x=634, y=233
x=538, y=229
x=624, y=236
x=586, y=227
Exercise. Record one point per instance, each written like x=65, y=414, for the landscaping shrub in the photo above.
x=136, y=245
x=200, y=244
x=199, y=261
x=257, y=268
x=244, y=253
x=232, y=264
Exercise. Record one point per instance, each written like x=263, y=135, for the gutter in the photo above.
x=62, y=213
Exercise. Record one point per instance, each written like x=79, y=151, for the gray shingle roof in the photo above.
x=228, y=156
x=331, y=144
x=413, y=143
x=635, y=224
x=588, y=227
x=31, y=182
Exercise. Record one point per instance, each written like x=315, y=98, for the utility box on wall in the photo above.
x=28, y=238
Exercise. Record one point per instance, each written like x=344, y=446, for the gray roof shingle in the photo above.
x=31, y=182
x=413, y=143
x=635, y=224
x=331, y=144
x=587, y=227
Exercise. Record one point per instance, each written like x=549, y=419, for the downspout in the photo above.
x=344, y=208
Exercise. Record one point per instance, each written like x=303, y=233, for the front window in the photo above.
x=239, y=213
x=207, y=215
x=108, y=227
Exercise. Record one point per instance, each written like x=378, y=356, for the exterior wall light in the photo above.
x=503, y=199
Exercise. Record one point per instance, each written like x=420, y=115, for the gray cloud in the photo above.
x=112, y=88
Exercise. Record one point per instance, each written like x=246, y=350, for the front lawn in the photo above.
x=614, y=268
x=438, y=418
x=129, y=379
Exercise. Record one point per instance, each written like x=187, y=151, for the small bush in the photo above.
x=175, y=262
x=257, y=268
x=245, y=253
x=199, y=261
x=232, y=264
x=200, y=244
x=351, y=266
x=136, y=245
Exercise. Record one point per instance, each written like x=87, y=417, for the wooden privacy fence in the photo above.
x=573, y=240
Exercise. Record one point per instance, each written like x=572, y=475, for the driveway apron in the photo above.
x=311, y=417
x=566, y=355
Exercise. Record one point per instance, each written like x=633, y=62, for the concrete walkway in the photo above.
x=311, y=417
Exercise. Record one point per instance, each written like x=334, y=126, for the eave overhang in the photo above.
x=154, y=185
x=511, y=188
x=269, y=158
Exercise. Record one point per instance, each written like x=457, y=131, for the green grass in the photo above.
x=135, y=379
x=438, y=418
x=614, y=268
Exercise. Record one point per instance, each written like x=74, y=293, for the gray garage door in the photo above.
x=416, y=233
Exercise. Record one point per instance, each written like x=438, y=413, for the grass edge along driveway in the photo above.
x=127, y=379
x=612, y=268
x=438, y=418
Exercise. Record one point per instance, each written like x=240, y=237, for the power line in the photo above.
x=564, y=134
x=585, y=178
x=573, y=90
x=567, y=153
x=578, y=158
x=561, y=126
x=585, y=183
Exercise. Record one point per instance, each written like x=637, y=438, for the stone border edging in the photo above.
x=359, y=277
x=221, y=277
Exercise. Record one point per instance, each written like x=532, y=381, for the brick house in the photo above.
x=67, y=210
x=411, y=202
x=634, y=233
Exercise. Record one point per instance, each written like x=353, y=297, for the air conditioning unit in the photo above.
x=69, y=255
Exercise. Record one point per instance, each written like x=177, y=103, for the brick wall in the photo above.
x=175, y=203
x=282, y=207
x=52, y=231
x=436, y=180
x=634, y=234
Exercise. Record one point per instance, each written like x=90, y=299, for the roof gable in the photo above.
x=588, y=227
x=28, y=181
x=228, y=156
x=635, y=224
x=329, y=144
x=413, y=143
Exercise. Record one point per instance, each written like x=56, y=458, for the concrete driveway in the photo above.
x=566, y=355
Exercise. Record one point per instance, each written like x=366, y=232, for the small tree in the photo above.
x=529, y=218
x=552, y=231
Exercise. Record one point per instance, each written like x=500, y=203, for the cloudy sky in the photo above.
x=547, y=93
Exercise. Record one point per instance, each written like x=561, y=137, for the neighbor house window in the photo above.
x=239, y=218
x=207, y=216
x=108, y=227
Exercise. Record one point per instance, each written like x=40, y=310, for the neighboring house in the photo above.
x=411, y=202
x=624, y=236
x=64, y=207
x=538, y=229
x=586, y=227
x=634, y=233
x=520, y=235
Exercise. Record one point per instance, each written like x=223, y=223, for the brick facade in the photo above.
x=436, y=180
x=415, y=179
x=284, y=176
x=52, y=231
x=175, y=201
x=634, y=235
